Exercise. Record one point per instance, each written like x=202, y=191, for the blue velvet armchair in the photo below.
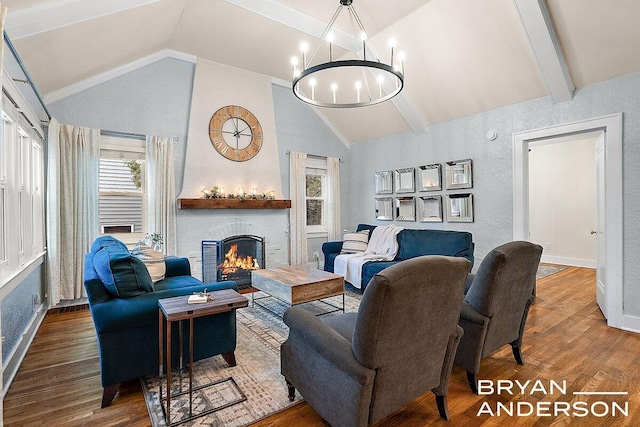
x=127, y=327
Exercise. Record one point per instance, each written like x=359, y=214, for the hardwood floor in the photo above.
x=566, y=339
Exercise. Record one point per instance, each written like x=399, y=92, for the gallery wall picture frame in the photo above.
x=458, y=174
x=405, y=180
x=430, y=177
x=384, y=182
x=430, y=209
x=459, y=207
x=384, y=208
x=406, y=208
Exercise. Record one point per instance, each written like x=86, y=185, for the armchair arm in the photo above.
x=447, y=364
x=331, y=247
x=177, y=266
x=470, y=314
x=307, y=330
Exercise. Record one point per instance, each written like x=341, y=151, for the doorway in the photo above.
x=562, y=198
x=609, y=261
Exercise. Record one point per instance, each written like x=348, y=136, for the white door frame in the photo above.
x=612, y=125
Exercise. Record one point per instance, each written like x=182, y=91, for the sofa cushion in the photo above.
x=355, y=242
x=122, y=274
x=415, y=243
x=152, y=259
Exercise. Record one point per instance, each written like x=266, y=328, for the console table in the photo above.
x=177, y=309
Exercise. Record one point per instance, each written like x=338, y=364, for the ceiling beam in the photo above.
x=541, y=31
x=116, y=72
x=297, y=20
x=50, y=16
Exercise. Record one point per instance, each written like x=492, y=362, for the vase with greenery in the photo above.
x=154, y=240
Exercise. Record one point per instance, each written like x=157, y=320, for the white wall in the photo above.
x=562, y=200
x=215, y=86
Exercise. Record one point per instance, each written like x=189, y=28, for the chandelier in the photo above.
x=346, y=83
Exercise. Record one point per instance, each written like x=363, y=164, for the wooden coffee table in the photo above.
x=297, y=284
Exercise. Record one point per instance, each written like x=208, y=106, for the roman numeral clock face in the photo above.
x=235, y=133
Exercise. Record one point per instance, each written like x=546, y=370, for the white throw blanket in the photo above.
x=383, y=246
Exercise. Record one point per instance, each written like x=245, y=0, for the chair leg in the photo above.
x=473, y=382
x=441, y=401
x=517, y=354
x=230, y=358
x=108, y=393
x=291, y=390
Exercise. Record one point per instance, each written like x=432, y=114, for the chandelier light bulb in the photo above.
x=358, y=85
x=312, y=83
x=330, y=40
x=294, y=61
x=392, y=43
x=401, y=56
x=330, y=37
x=304, y=47
x=380, y=80
x=363, y=36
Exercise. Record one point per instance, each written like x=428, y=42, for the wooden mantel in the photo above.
x=187, y=203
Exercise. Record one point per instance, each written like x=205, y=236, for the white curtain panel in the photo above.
x=72, y=222
x=161, y=191
x=333, y=188
x=298, y=212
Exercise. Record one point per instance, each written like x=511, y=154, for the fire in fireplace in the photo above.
x=232, y=258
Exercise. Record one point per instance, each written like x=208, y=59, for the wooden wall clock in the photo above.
x=235, y=133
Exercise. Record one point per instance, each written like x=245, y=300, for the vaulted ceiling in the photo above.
x=462, y=56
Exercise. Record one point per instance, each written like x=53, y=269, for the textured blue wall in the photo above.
x=492, y=164
x=18, y=310
x=300, y=129
x=153, y=100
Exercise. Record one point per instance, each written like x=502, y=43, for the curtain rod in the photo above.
x=29, y=80
x=117, y=133
x=122, y=134
x=315, y=155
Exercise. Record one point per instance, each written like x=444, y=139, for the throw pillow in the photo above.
x=152, y=259
x=123, y=275
x=355, y=242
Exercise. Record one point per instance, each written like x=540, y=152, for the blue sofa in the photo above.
x=411, y=244
x=124, y=308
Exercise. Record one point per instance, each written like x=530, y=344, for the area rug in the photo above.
x=257, y=374
x=545, y=270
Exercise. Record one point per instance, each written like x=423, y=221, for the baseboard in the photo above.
x=574, y=262
x=16, y=357
x=630, y=323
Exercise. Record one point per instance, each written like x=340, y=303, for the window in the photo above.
x=21, y=184
x=316, y=194
x=121, y=201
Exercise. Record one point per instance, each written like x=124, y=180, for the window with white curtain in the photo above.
x=316, y=195
x=122, y=207
x=21, y=188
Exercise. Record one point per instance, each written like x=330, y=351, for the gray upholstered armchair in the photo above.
x=496, y=305
x=356, y=368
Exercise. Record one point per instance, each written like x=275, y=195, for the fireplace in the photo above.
x=232, y=258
